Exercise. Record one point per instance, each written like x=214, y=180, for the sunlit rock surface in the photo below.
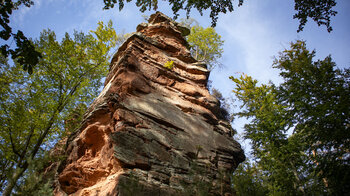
x=152, y=130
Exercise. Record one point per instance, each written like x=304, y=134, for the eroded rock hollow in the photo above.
x=153, y=130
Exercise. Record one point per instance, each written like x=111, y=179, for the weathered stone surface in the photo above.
x=151, y=126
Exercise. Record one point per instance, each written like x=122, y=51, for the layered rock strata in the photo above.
x=153, y=130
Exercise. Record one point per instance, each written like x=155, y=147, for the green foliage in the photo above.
x=317, y=96
x=274, y=152
x=36, y=183
x=169, y=65
x=313, y=103
x=206, y=45
x=25, y=53
x=259, y=103
x=215, y=6
x=33, y=107
x=248, y=180
x=320, y=11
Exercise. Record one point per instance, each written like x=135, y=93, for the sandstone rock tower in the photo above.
x=153, y=130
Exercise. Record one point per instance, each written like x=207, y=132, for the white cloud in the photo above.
x=256, y=40
x=20, y=14
x=91, y=11
x=258, y=30
x=252, y=38
x=253, y=33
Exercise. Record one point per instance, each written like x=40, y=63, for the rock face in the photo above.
x=153, y=130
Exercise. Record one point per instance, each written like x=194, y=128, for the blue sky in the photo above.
x=254, y=33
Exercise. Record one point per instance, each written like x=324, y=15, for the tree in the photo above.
x=317, y=97
x=277, y=155
x=25, y=53
x=33, y=107
x=320, y=11
x=248, y=180
x=313, y=103
x=206, y=45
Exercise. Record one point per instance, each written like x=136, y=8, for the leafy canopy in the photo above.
x=320, y=11
x=215, y=6
x=317, y=96
x=313, y=105
x=25, y=53
x=206, y=45
x=33, y=107
x=274, y=152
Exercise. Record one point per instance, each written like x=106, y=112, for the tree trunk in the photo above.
x=19, y=171
x=12, y=182
x=299, y=184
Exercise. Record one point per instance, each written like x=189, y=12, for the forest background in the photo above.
x=254, y=33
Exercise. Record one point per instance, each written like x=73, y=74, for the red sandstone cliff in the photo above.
x=151, y=126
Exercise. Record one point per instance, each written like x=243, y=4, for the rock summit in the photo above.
x=154, y=129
